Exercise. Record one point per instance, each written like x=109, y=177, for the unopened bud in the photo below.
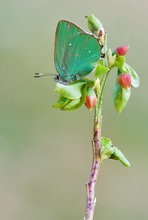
x=91, y=99
x=101, y=32
x=124, y=80
x=93, y=23
x=96, y=86
x=122, y=50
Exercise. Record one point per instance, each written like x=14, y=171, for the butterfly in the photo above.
x=76, y=52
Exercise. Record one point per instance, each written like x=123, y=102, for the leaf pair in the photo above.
x=123, y=67
x=72, y=96
x=121, y=95
x=112, y=152
x=100, y=69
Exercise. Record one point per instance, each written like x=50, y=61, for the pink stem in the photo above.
x=90, y=185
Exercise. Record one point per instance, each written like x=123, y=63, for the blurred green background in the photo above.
x=45, y=154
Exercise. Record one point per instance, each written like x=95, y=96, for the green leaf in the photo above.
x=111, y=58
x=76, y=103
x=106, y=142
x=107, y=148
x=93, y=23
x=67, y=104
x=72, y=91
x=71, y=104
x=90, y=83
x=134, y=75
x=118, y=155
x=100, y=70
x=121, y=97
x=120, y=60
x=61, y=102
x=112, y=152
x=82, y=99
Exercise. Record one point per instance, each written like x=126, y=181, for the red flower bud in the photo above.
x=124, y=80
x=90, y=102
x=101, y=32
x=122, y=50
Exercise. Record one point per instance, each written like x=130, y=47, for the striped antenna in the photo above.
x=37, y=75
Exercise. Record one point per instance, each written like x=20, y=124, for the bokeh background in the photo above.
x=45, y=154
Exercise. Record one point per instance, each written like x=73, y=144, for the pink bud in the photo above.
x=101, y=32
x=122, y=50
x=90, y=102
x=124, y=80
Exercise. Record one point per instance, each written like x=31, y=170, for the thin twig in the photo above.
x=90, y=185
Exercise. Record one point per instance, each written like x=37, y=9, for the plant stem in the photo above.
x=96, y=163
x=96, y=144
x=90, y=185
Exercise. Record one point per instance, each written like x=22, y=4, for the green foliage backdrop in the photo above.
x=45, y=154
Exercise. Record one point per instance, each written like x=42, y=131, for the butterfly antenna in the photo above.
x=37, y=75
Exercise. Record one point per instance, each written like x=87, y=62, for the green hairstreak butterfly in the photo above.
x=76, y=52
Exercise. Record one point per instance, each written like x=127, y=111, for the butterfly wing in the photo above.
x=81, y=56
x=65, y=31
x=76, y=52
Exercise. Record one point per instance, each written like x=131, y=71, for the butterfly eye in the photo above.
x=57, y=78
